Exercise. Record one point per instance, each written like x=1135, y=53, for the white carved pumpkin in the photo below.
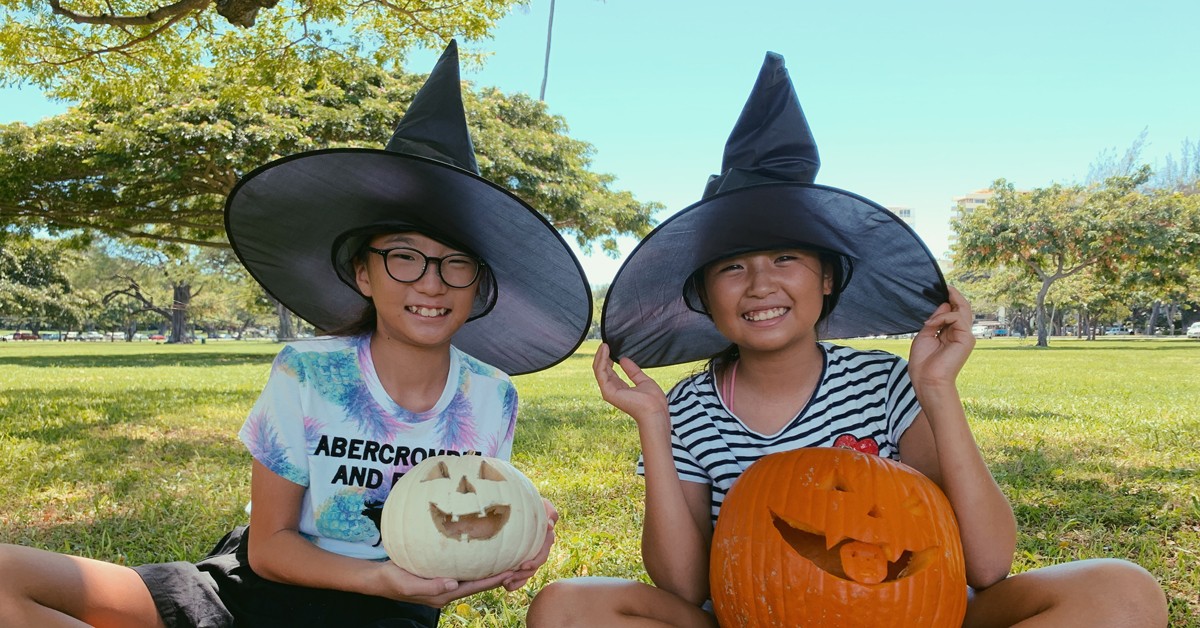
x=462, y=517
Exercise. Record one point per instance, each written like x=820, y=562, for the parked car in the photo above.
x=1193, y=330
x=25, y=335
x=91, y=336
x=1117, y=330
x=157, y=337
x=981, y=331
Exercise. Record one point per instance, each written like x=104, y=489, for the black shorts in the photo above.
x=221, y=591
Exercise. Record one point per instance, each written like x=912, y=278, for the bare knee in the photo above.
x=1093, y=593
x=612, y=602
x=1129, y=593
x=565, y=603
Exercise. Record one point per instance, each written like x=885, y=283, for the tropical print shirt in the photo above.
x=325, y=422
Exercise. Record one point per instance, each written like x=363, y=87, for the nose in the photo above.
x=431, y=282
x=761, y=280
x=465, y=486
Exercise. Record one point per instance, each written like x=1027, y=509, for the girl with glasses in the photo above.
x=430, y=304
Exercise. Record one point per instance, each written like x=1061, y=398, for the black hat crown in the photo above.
x=435, y=124
x=771, y=141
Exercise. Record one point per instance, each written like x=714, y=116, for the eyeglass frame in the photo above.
x=384, y=253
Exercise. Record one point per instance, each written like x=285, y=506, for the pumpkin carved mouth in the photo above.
x=849, y=559
x=474, y=526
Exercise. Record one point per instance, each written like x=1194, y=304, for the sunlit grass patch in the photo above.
x=128, y=452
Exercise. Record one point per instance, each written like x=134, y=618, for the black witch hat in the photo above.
x=764, y=199
x=296, y=222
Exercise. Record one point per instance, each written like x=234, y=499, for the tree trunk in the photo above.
x=1152, y=320
x=286, y=332
x=1043, y=337
x=180, y=299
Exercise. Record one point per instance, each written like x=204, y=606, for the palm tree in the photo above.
x=546, y=66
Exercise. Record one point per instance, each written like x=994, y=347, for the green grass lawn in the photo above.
x=128, y=452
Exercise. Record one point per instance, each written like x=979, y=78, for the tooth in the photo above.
x=454, y=518
x=464, y=537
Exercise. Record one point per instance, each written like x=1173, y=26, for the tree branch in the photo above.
x=175, y=10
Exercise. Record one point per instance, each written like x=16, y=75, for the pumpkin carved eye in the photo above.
x=490, y=473
x=438, y=471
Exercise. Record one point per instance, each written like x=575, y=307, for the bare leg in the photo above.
x=1091, y=593
x=612, y=602
x=40, y=588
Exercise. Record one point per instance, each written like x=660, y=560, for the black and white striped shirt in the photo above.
x=863, y=400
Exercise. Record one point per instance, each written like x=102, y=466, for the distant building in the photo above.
x=965, y=204
x=905, y=214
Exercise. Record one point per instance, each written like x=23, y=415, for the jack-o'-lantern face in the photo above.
x=473, y=509
x=462, y=517
x=851, y=537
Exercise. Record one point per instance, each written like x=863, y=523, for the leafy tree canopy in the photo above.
x=1112, y=230
x=75, y=49
x=159, y=167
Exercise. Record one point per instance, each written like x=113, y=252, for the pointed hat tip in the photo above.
x=771, y=140
x=435, y=123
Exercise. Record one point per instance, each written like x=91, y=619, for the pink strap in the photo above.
x=732, y=381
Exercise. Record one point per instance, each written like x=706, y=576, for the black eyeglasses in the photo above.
x=407, y=265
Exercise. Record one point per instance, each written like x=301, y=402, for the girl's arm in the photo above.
x=940, y=444
x=677, y=529
x=279, y=553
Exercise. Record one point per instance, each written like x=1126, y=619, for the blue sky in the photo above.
x=911, y=103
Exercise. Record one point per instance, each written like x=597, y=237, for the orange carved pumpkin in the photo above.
x=835, y=537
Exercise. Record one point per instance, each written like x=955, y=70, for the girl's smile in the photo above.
x=766, y=315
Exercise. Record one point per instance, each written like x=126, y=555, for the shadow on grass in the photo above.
x=979, y=411
x=1057, y=487
x=121, y=476
x=145, y=360
x=124, y=435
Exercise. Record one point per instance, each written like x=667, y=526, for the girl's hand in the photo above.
x=402, y=585
x=943, y=345
x=644, y=400
x=438, y=592
x=526, y=570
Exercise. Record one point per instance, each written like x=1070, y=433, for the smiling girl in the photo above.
x=435, y=286
x=753, y=277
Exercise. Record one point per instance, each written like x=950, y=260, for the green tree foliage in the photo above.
x=99, y=48
x=159, y=167
x=34, y=289
x=1112, y=230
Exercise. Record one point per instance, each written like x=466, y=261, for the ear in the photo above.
x=362, y=277
x=826, y=280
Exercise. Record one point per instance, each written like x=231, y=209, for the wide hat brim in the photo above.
x=284, y=219
x=894, y=287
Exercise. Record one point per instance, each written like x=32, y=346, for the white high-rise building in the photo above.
x=905, y=214
x=965, y=204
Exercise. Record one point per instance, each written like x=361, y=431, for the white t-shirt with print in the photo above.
x=325, y=422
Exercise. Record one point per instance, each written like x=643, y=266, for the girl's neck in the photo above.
x=780, y=367
x=767, y=390
x=413, y=376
